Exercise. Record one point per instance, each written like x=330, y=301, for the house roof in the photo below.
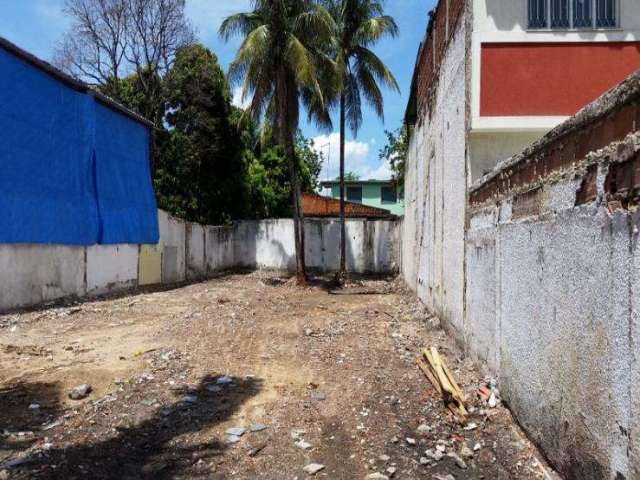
x=328, y=183
x=70, y=81
x=319, y=206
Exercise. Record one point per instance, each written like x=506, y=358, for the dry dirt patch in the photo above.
x=322, y=377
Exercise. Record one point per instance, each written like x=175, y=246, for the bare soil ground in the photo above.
x=172, y=370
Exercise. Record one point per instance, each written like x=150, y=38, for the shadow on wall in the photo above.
x=148, y=449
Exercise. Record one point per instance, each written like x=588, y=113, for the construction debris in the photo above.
x=436, y=370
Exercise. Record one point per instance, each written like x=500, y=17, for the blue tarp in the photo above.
x=72, y=170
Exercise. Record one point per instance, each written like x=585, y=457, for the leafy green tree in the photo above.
x=359, y=24
x=279, y=64
x=395, y=151
x=201, y=170
x=349, y=177
x=268, y=178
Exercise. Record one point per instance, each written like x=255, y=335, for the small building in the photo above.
x=374, y=193
x=317, y=206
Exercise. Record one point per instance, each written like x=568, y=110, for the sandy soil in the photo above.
x=334, y=370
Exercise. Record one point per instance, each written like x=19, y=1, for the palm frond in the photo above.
x=375, y=29
x=365, y=58
x=238, y=24
x=353, y=103
x=369, y=88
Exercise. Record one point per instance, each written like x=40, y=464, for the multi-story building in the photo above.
x=534, y=63
x=531, y=64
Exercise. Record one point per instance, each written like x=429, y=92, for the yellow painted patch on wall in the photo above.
x=150, y=264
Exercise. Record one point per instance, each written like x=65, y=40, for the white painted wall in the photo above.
x=549, y=307
x=33, y=274
x=172, y=238
x=195, y=254
x=510, y=16
x=219, y=249
x=372, y=246
x=111, y=268
x=435, y=193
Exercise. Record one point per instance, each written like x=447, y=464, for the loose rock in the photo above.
x=377, y=476
x=313, y=468
x=80, y=392
x=236, y=431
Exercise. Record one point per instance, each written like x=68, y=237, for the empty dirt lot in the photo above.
x=322, y=377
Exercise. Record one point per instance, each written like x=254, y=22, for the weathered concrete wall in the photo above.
x=219, y=249
x=195, y=254
x=552, y=269
x=111, y=268
x=435, y=191
x=173, y=240
x=372, y=245
x=33, y=274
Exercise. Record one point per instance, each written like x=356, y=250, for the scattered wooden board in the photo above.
x=436, y=370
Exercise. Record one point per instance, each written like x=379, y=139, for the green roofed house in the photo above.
x=374, y=193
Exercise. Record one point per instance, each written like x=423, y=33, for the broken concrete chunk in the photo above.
x=459, y=462
x=236, y=431
x=377, y=476
x=80, y=392
x=313, y=468
x=257, y=427
x=304, y=445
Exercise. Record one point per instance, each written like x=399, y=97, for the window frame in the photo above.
x=390, y=189
x=352, y=187
x=594, y=18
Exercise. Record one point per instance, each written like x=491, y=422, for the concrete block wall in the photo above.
x=436, y=188
x=552, y=267
x=34, y=274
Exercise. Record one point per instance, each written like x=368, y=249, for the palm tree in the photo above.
x=279, y=65
x=359, y=25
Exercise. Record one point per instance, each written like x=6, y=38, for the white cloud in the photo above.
x=356, y=158
x=237, y=99
x=383, y=172
x=356, y=155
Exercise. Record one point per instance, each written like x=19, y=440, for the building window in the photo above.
x=388, y=195
x=572, y=14
x=582, y=17
x=606, y=14
x=560, y=14
x=537, y=13
x=354, y=194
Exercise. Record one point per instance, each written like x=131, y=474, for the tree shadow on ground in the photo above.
x=159, y=448
x=24, y=408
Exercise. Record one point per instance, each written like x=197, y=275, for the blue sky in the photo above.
x=36, y=26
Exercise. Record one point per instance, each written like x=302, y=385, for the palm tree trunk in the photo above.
x=285, y=137
x=343, y=234
x=298, y=214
